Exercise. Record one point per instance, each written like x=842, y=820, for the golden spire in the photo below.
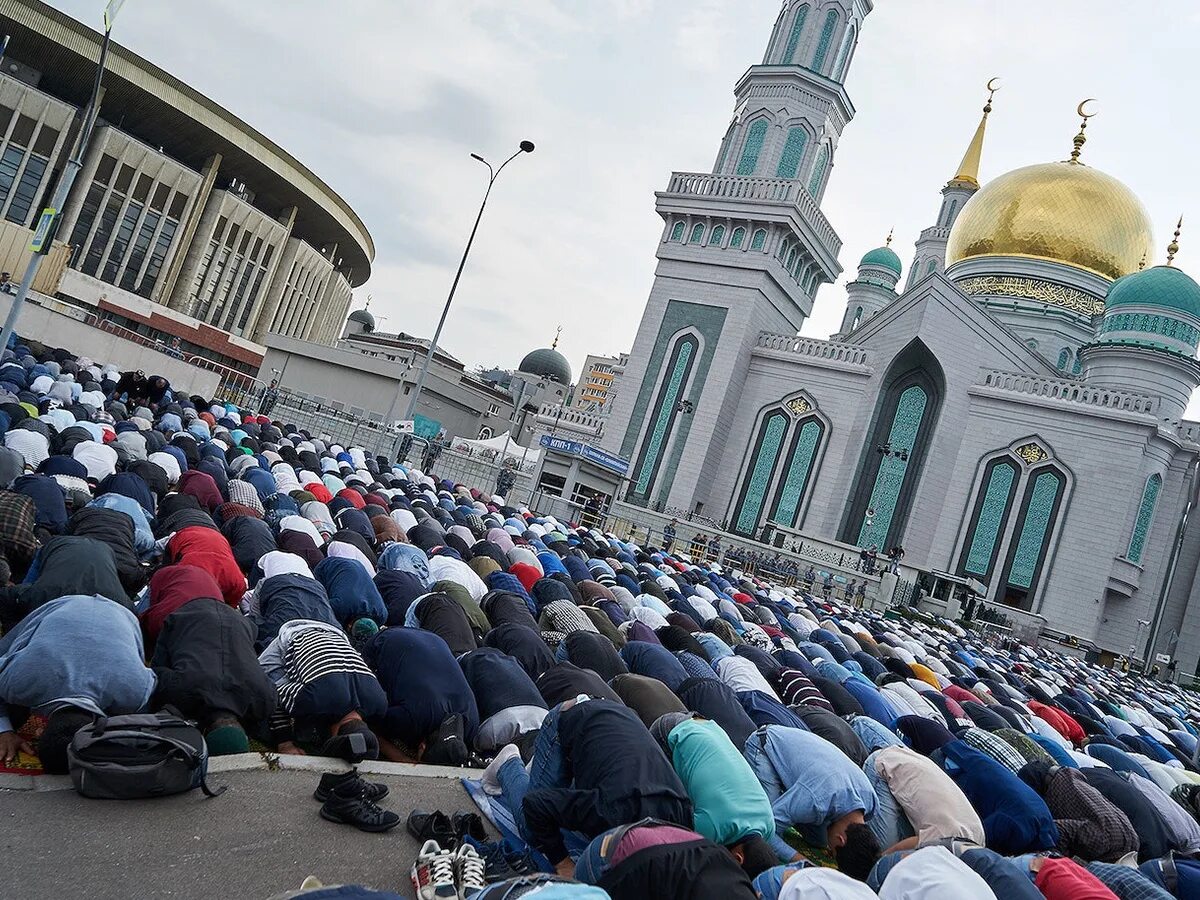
x=968, y=169
x=1081, y=138
x=557, y=335
x=889, y=237
x=1173, y=247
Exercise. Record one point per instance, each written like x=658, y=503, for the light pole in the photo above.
x=493, y=174
x=43, y=238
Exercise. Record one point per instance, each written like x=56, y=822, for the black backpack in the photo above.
x=138, y=756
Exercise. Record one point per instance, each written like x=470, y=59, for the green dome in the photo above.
x=882, y=256
x=548, y=363
x=1163, y=286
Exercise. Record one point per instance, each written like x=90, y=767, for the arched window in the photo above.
x=1031, y=344
x=950, y=210
x=1064, y=359
x=843, y=58
x=857, y=318
x=818, y=170
x=818, y=63
x=682, y=357
x=795, y=269
x=798, y=474
x=759, y=240
x=783, y=249
x=1145, y=516
x=764, y=458
x=1077, y=367
x=755, y=135
x=697, y=234
x=791, y=260
x=789, y=53
x=739, y=235
x=793, y=152
x=717, y=235
x=998, y=486
x=894, y=451
x=931, y=267
x=1031, y=538
x=677, y=231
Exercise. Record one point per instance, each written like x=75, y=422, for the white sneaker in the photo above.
x=468, y=868
x=490, y=779
x=433, y=873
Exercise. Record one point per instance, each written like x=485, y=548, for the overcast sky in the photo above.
x=386, y=99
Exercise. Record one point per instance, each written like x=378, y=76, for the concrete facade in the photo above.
x=178, y=202
x=1000, y=419
x=374, y=381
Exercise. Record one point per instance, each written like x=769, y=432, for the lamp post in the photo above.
x=493, y=174
x=43, y=238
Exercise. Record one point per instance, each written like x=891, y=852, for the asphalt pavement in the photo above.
x=262, y=837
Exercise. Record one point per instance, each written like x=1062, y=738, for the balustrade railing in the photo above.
x=803, y=346
x=778, y=190
x=1071, y=391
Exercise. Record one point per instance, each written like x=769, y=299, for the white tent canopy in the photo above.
x=523, y=458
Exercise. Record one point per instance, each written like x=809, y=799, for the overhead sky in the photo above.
x=387, y=99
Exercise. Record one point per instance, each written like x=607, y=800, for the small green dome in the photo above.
x=882, y=256
x=1163, y=286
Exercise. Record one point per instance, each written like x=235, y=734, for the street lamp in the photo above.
x=493, y=174
x=43, y=238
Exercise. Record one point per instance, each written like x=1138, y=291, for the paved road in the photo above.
x=261, y=837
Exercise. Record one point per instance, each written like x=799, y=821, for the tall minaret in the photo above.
x=930, y=255
x=743, y=250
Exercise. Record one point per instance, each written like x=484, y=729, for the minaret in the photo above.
x=744, y=249
x=930, y=255
x=873, y=289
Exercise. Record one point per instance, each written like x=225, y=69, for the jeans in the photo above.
x=889, y=824
x=546, y=770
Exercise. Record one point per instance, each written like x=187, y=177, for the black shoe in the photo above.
x=354, y=742
x=348, y=806
x=330, y=782
x=432, y=826
x=469, y=825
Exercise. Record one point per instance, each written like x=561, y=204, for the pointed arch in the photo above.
x=988, y=521
x=717, y=235
x=764, y=452
x=756, y=134
x=759, y=240
x=683, y=353
x=796, y=478
x=858, y=314
x=1045, y=490
x=817, y=177
x=1145, y=517
x=1064, y=359
x=677, y=230
x=793, y=152
x=794, y=35
x=738, y=238
x=822, y=51
x=838, y=72
x=697, y=236
x=893, y=456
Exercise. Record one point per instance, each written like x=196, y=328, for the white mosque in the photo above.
x=1012, y=413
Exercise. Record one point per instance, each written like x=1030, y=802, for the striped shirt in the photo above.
x=314, y=653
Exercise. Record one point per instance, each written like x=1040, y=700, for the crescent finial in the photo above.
x=1080, y=108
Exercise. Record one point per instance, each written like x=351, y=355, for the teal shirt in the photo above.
x=729, y=802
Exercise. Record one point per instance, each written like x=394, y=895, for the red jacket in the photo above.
x=207, y=549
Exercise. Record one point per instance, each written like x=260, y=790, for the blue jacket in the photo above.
x=80, y=650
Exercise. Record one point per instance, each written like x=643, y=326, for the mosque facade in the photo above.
x=1010, y=410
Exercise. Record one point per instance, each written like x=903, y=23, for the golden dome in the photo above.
x=1064, y=212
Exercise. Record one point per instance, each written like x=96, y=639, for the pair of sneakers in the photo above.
x=347, y=798
x=447, y=875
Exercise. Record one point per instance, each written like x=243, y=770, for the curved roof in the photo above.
x=159, y=109
x=882, y=256
x=1062, y=212
x=363, y=317
x=1162, y=286
x=548, y=363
